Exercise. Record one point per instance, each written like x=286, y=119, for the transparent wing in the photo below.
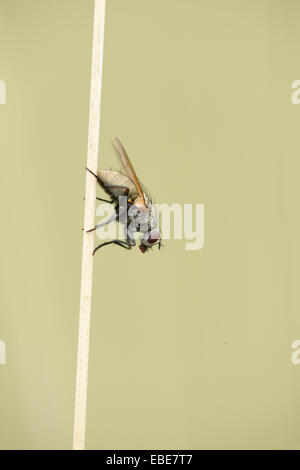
x=129, y=168
x=116, y=183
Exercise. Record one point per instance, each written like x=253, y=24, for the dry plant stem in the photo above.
x=89, y=221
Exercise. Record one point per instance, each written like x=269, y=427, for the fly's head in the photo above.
x=152, y=238
x=152, y=235
x=144, y=218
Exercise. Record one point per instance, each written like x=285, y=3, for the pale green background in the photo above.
x=188, y=349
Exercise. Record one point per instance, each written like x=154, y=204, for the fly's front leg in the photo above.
x=128, y=243
x=124, y=244
x=129, y=236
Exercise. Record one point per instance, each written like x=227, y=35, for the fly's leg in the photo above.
x=99, y=181
x=102, y=224
x=124, y=244
x=118, y=215
x=104, y=200
x=114, y=217
x=129, y=236
x=128, y=244
x=96, y=176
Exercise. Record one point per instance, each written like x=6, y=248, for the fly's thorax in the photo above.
x=144, y=219
x=138, y=214
x=153, y=216
x=139, y=204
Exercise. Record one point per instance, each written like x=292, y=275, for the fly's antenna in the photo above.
x=89, y=221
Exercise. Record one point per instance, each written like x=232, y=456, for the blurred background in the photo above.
x=189, y=349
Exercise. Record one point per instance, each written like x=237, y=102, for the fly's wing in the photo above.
x=117, y=184
x=129, y=168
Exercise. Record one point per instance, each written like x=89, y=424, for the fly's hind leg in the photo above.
x=94, y=174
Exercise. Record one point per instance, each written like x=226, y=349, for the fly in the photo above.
x=133, y=206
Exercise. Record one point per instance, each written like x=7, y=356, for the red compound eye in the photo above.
x=153, y=237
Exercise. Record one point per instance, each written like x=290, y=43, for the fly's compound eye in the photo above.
x=154, y=236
